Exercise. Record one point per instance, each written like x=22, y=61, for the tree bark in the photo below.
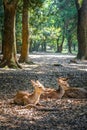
x=69, y=44
x=2, y=39
x=9, y=42
x=82, y=31
x=44, y=46
x=60, y=46
x=25, y=35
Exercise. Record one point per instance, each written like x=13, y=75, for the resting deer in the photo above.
x=31, y=100
x=25, y=98
x=53, y=93
x=71, y=92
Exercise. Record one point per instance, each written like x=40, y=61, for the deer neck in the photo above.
x=64, y=86
x=61, y=91
x=36, y=97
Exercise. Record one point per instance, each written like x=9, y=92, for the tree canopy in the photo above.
x=53, y=24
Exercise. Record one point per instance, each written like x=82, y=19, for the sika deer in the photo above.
x=71, y=92
x=53, y=93
x=24, y=98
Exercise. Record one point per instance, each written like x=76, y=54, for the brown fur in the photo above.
x=53, y=93
x=71, y=92
x=24, y=98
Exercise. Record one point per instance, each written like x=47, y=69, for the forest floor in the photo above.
x=71, y=114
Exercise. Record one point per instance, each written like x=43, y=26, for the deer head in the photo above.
x=38, y=86
x=63, y=82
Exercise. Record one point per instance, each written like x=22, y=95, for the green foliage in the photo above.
x=80, y=2
x=56, y=18
x=19, y=28
x=30, y=4
x=35, y=3
x=49, y=22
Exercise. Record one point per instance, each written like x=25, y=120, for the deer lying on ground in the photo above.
x=71, y=92
x=30, y=99
x=40, y=92
x=53, y=93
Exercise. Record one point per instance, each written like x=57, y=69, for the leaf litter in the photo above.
x=71, y=114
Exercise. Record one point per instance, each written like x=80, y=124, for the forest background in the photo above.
x=55, y=26
x=43, y=25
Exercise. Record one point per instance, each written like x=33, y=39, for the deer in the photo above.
x=71, y=92
x=30, y=99
x=51, y=93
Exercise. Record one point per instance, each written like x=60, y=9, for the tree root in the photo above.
x=10, y=64
x=27, y=61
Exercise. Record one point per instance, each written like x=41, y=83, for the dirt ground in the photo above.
x=66, y=114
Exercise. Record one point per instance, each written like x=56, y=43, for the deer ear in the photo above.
x=58, y=79
x=41, y=85
x=33, y=82
x=62, y=79
x=38, y=82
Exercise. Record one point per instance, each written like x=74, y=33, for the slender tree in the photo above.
x=27, y=4
x=25, y=34
x=82, y=29
x=9, y=42
x=1, y=23
x=60, y=46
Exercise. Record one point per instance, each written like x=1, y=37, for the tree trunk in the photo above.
x=69, y=45
x=2, y=34
x=82, y=31
x=30, y=48
x=25, y=35
x=60, y=46
x=74, y=47
x=9, y=43
x=44, y=45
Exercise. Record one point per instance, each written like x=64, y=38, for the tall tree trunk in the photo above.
x=9, y=43
x=44, y=49
x=2, y=34
x=69, y=45
x=25, y=35
x=82, y=31
x=57, y=45
x=74, y=47
x=60, y=46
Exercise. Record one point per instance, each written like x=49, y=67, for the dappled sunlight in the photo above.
x=80, y=66
x=46, y=68
x=43, y=86
x=13, y=117
x=46, y=58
